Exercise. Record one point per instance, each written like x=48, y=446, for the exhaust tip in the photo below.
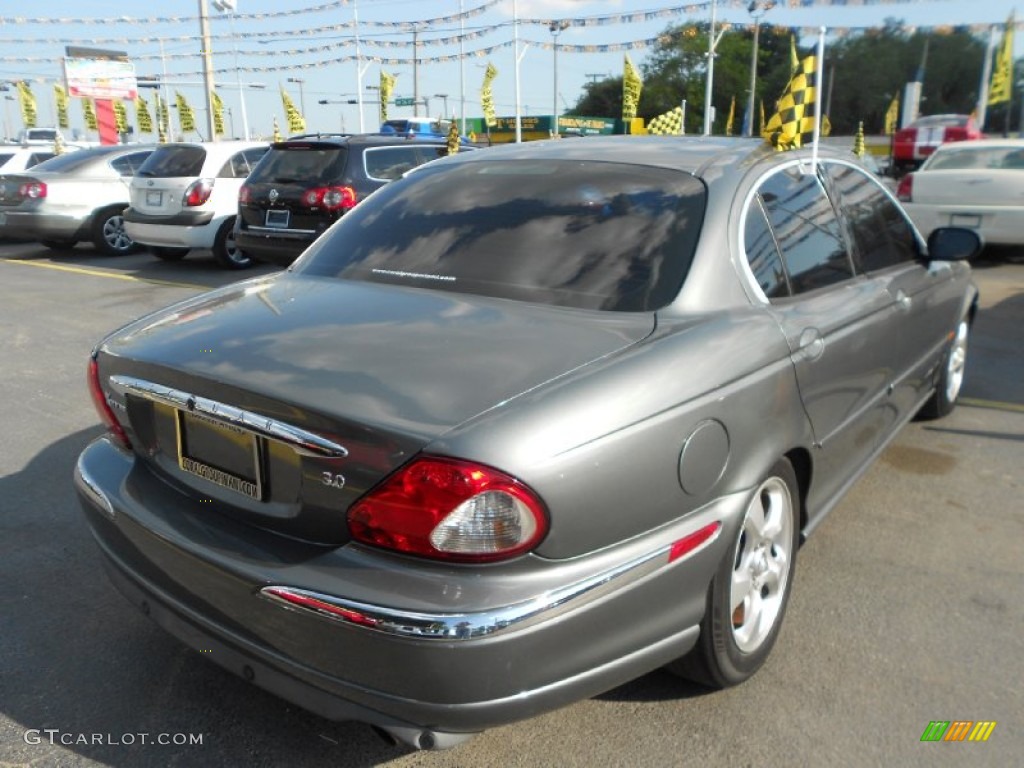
x=420, y=738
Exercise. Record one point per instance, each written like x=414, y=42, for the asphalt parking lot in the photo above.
x=907, y=607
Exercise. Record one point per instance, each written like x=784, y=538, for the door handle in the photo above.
x=904, y=301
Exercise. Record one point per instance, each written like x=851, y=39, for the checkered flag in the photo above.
x=668, y=124
x=792, y=125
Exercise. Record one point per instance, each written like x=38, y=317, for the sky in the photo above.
x=267, y=45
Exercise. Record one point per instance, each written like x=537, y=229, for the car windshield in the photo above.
x=1007, y=158
x=590, y=235
x=306, y=164
x=174, y=162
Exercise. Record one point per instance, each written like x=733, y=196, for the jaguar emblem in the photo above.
x=273, y=195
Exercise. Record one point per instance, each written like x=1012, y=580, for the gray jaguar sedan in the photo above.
x=524, y=425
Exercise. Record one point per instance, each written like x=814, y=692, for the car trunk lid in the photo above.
x=342, y=361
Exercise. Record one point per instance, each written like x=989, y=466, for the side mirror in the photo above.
x=953, y=244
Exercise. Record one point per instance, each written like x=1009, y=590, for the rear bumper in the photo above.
x=481, y=662
x=996, y=225
x=189, y=229
x=34, y=226
x=280, y=248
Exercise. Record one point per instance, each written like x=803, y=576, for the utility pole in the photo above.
x=204, y=30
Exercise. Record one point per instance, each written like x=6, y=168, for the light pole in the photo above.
x=229, y=5
x=555, y=29
x=302, y=96
x=757, y=9
x=444, y=98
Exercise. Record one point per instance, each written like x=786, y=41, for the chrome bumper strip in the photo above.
x=301, y=440
x=467, y=626
x=89, y=488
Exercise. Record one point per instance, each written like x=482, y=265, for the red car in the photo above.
x=914, y=143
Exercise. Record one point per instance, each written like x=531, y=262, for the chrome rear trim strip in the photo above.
x=468, y=626
x=301, y=440
x=89, y=488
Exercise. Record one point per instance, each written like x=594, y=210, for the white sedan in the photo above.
x=974, y=184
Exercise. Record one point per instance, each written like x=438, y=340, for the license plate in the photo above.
x=277, y=218
x=971, y=221
x=154, y=197
x=220, y=453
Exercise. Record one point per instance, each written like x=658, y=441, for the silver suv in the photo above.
x=185, y=196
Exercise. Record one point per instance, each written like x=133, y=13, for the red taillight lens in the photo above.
x=99, y=399
x=244, y=194
x=905, y=189
x=955, y=134
x=33, y=190
x=331, y=198
x=450, y=509
x=198, y=192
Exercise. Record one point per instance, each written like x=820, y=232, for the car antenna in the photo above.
x=818, y=80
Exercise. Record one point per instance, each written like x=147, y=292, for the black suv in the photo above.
x=304, y=184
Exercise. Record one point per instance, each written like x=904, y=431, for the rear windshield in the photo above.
x=590, y=235
x=68, y=161
x=174, y=162
x=302, y=164
x=1008, y=158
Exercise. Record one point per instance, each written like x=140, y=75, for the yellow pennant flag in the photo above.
x=120, y=116
x=186, y=119
x=892, y=116
x=631, y=87
x=296, y=122
x=218, y=113
x=28, y=104
x=387, y=85
x=792, y=125
x=453, y=137
x=1002, y=74
x=89, y=114
x=858, y=140
x=732, y=115
x=60, y=98
x=486, y=99
x=142, y=118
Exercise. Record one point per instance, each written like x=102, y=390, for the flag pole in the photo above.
x=817, y=98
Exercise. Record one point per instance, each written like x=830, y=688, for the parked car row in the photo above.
x=244, y=201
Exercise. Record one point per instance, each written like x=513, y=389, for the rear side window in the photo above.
x=301, y=165
x=590, y=235
x=881, y=234
x=174, y=162
x=240, y=164
x=762, y=253
x=806, y=229
x=389, y=163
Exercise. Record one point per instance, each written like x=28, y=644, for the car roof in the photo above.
x=692, y=154
x=216, y=147
x=373, y=139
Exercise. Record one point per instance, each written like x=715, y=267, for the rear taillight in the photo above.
x=331, y=198
x=198, y=193
x=33, y=190
x=99, y=399
x=449, y=509
x=244, y=194
x=905, y=189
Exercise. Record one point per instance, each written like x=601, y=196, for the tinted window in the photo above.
x=389, y=163
x=576, y=234
x=303, y=163
x=4, y=157
x=762, y=253
x=128, y=165
x=881, y=234
x=806, y=229
x=174, y=162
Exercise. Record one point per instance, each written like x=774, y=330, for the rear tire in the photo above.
x=225, y=249
x=951, y=375
x=108, y=235
x=168, y=254
x=749, y=593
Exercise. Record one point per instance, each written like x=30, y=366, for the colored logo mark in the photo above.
x=958, y=730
